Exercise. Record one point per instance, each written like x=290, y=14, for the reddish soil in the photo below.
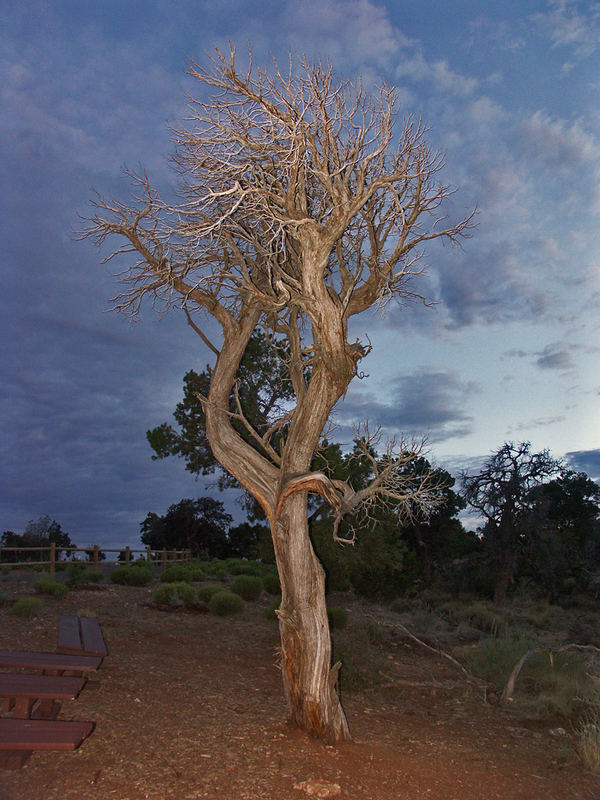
x=190, y=706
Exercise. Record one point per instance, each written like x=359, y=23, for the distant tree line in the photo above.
x=538, y=522
x=40, y=533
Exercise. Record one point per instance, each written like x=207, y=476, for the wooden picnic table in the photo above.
x=25, y=690
x=19, y=737
x=80, y=636
x=49, y=663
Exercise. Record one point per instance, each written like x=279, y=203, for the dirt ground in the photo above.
x=190, y=706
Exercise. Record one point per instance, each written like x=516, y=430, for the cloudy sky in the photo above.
x=510, y=91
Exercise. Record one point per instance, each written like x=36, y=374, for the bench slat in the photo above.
x=27, y=734
x=69, y=640
x=58, y=662
x=91, y=636
x=80, y=636
x=40, y=686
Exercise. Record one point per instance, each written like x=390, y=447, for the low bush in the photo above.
x=226, y=603
x=176, y=573
x=484, y=616
x=271, y=582
x=561, y=686
x=79, y=575
x=269, y=612
x=94, y=576
x=239, y=566
x=206, y=591
x=360, y=659
x=132, y=576
x=50, y=587
x=338, y=617
x=494, y=659
x=174, y=594
x=249, y=587
x=196, y=572
x=27, y=607
x=588, y=739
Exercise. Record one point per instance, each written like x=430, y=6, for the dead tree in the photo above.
x=299, y=210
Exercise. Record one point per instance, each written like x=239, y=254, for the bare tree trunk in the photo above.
x=310, y=682
x=503, y=578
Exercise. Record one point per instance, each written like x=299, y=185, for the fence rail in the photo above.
x=160, y=558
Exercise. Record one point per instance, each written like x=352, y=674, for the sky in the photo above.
x=508, y=352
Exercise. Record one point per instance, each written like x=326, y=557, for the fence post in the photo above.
x=163, y=560
x=127, y=554
x=149, y=555
x=52, y=557
x=96, y=557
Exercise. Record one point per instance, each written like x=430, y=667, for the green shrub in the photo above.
x=269, y=612
x=206, y=591
x=360, y=664
x=50, y=587
x=271, y=583
x=75, y=574
x=132, y=576
x=226, y=603
x=588, y=736
x=494, y=659
x=196, y=573
x=5, y=599
x=240, y=566
x=483, y=616
x=216, y=568
x=78, y=575
x=338, y=617
x=27, y=607
x=174, y=594
x=176, y=573
x=249, y=587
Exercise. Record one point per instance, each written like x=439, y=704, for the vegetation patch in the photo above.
x=50, y=587
x=271, y=582
x=174, y=595
x=249, y=587
x=176, y=573
x=338, y=617
x=80, y=575
x=206, y=592
x=226, y=604
x=270, y=611
x=132, y=576
x=27, y=607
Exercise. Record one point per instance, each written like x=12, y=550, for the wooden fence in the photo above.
x=160, y=558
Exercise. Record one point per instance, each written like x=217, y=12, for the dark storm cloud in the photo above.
x=587, y=461
x=425, y=403
x=555, y=356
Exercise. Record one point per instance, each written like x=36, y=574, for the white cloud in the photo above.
x=352, y=33
x=443, y=79
x=557, y=142
x=572, y=24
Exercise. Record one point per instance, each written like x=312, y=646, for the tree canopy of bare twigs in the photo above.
x=502, y=491
x=300, y=207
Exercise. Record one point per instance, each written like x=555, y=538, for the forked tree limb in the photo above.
x=507, y=694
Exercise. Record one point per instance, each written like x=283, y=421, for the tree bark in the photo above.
x=309, y=680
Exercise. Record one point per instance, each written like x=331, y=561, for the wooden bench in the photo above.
x=21, y=693
x=20, y=737
x=49, y=663
x=80, y=636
